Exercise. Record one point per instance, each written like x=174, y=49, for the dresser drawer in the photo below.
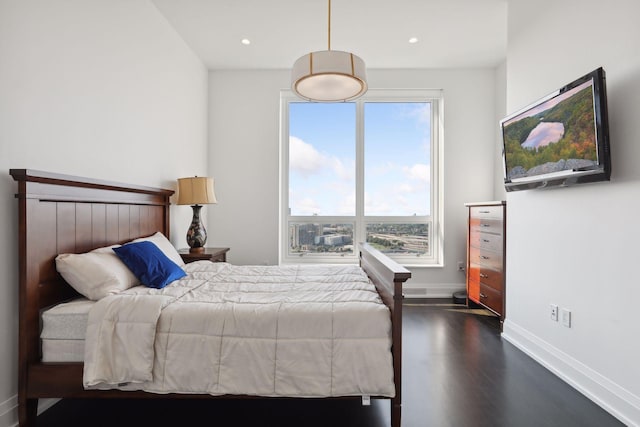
x=492, y=242
x=485, y=258
x=491, y=298
x=486, y=212
x=487, y=276
x=486, y=225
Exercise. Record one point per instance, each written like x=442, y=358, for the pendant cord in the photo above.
x=329, y=31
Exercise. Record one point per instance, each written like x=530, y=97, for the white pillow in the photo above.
x=165, y=246
x=96, y=274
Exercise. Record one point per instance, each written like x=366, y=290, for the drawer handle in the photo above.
x=483, y=276
x=484, y=211
x=485, y=225
x=482, y=295
x=484, y=257
x=486, y=241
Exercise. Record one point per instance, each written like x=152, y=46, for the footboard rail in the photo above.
x=388, y=277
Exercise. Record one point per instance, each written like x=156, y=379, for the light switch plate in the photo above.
x=566, y=317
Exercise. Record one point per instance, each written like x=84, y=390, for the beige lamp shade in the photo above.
x=329, y=76
x=196, y=191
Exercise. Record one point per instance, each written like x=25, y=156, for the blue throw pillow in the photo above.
x=149, y=264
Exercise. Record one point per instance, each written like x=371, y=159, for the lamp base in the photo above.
x=196, y=234
x=198, y=250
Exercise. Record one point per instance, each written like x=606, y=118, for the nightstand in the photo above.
x=209, y=254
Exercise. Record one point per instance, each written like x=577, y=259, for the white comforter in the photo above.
x=302, y=331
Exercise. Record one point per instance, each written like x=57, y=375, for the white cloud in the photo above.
x=304, y=158
x=343, y=172
x=379, y=203
x=422, y=112
x=347, y=204
x=383, y=169
x=406, y=188
x=418, y=172
x=306, y=206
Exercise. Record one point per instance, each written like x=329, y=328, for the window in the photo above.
x=367, y=170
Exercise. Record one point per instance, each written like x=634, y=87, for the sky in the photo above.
x=534, y=109
x=322, y=158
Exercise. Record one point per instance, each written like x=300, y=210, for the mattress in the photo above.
x=63, y=331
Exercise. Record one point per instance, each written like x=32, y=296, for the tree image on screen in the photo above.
x=561, y=136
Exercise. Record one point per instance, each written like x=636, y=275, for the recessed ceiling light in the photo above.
x=413, y=40
x=246, y=41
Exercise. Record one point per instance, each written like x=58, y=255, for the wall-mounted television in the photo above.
x=561, y=139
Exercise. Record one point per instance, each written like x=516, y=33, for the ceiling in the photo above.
x=451, y=33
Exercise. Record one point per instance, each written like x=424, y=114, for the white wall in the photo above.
x=104, y=89
x=576, y=247
x=499, y=192
x=243, y=158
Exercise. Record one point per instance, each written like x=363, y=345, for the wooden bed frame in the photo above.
x=67, y=214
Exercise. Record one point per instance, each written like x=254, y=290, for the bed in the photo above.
x=66, y=214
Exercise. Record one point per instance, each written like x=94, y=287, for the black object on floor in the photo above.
x=460, y=297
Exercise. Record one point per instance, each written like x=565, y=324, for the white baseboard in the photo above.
x=431, y=290
x=616, y=400
x=9, y=410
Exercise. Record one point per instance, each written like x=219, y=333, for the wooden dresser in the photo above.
x=486, y=244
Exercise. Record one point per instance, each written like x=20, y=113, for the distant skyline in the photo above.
x=322, y=158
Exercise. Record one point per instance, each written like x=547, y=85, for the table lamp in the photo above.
x=196, y=191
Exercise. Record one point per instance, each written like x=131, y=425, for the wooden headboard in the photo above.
x=68, y=214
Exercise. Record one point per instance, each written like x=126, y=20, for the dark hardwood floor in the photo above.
x=457, y=371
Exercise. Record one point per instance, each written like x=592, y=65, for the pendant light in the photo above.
x=329, y=75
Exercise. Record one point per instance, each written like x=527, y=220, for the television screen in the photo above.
x=560, y=139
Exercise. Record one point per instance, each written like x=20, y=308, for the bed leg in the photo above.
x=27, y=412
x=396, y=412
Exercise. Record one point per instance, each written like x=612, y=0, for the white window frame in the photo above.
x=435, y=220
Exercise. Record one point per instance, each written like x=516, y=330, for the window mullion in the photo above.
x=283, y=236
x=360, y=230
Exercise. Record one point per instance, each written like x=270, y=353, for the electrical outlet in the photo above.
x=554, y=312
x=461, y=266
x=566, y=317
